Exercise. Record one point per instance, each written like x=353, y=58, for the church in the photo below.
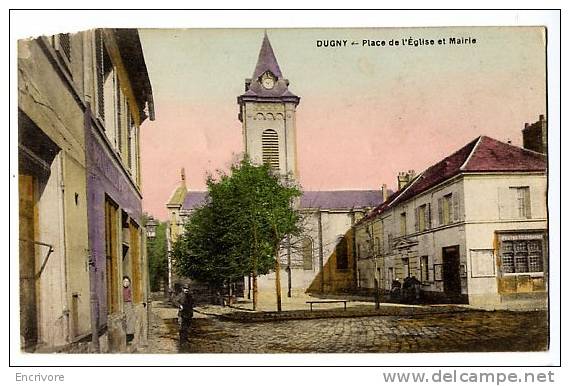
x=323, y=259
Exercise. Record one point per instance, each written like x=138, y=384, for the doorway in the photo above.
x=28, y=301
x=451, y=273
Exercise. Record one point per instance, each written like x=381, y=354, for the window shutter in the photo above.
x=506, y=202
x=416, y=219
x=527, y=202
x=455, y=199
x=129, y=137
x=440, y=210
x=65, y=44
x=428, y=216
x=119, y=103
x=100, y=69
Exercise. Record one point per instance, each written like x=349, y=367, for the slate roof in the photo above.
x=267, y=61
x=336, y=199
x=341, y=199
x=482, y=155
x=194, y=199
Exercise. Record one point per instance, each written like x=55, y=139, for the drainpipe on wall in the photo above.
x=169, y=256
x=94, y=300
x=63, y=248
x=321, y=262
x=353, y=252
x=288, y=266
x=94, y=303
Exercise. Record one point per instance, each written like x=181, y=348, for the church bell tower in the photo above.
x=267, y=113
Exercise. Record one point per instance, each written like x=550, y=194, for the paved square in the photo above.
x=470, y=331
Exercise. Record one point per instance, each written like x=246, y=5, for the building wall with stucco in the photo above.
x=48, y=112
x=483, y=216
x=73, y=161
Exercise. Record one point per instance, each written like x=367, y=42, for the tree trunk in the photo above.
x=254, y=291
x=230, y=293
x=249, y=286
x=278, y=279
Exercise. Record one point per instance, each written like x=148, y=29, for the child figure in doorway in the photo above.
x=128, y=307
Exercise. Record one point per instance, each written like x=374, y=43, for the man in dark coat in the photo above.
x=185, y=312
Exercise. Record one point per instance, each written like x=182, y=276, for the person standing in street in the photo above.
x=185, y=313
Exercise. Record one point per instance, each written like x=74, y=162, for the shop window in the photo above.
x=521, y=256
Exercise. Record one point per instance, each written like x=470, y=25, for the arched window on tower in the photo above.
x=270, y=148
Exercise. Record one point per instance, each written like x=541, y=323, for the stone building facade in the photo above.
x=82, y=99
x=471, y=228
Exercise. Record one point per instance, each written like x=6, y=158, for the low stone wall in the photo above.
x=351, y=312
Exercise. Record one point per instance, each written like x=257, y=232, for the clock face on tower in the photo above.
x=267, y=81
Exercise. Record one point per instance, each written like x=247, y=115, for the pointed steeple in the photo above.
x=266, y=60
x=179, y=194
x=263, y=89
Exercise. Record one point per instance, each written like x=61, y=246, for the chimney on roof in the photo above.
x=534, y=135
x=384, y=192
x=404, y=178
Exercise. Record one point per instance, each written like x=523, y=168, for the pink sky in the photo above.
x=365, y=113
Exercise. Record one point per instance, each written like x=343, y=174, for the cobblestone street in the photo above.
x=443, y=332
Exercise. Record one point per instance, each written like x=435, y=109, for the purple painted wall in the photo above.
x=104, y=178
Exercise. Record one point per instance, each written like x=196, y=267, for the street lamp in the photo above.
x=151, y=228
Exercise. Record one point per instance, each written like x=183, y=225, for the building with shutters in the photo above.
x=81, y=100
x=472, y=229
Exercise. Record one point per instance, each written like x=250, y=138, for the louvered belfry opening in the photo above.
x=270, y=148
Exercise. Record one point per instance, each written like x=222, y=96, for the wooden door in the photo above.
x=451, y=274
x=27, y=228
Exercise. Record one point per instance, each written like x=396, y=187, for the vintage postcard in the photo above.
x=297, y=190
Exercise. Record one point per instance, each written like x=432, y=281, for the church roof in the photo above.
x=335, y=199
x=482, y=155
x=266, y=60
x=340, y=199
x=177, y=197
x=254, y=91
x=194, y=199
